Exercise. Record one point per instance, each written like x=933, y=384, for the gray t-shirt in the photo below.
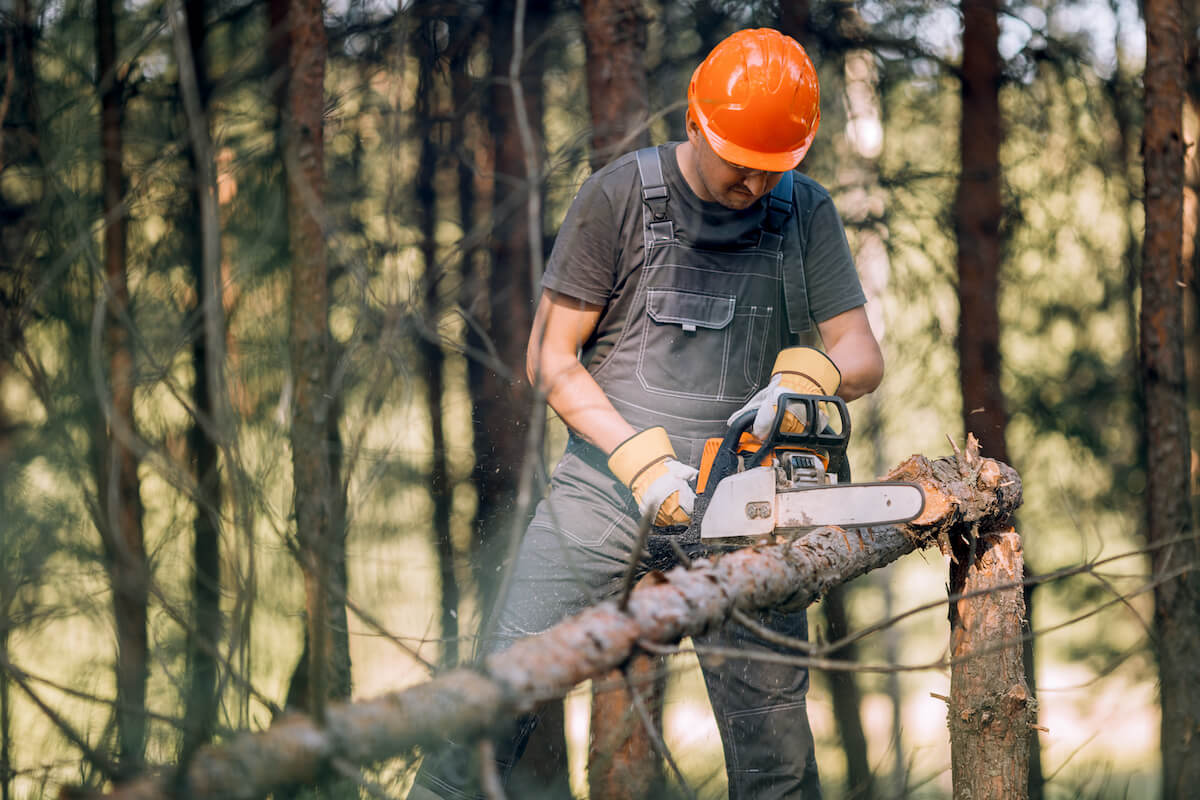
x=600, y=246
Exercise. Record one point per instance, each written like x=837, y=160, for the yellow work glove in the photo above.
x=660, y=484
x=798, y=370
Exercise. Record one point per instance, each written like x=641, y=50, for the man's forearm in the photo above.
x=576, y=397
x=861, y=364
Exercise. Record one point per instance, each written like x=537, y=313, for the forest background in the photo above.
x=267, y=274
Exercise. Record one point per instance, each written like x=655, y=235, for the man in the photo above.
x=685, y=279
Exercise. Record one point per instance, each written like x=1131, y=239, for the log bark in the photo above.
x=465, y=703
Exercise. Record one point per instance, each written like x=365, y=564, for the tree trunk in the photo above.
x=204, y=635
x=1162, y=371
x=118, y=490
x=614, y=32
x=509, y=418
x=962, y=494
x=1191, y=250
x=504, y=404
x=316, y=450
x=846, y=699
x=18, y=146
x=7, y=767
x=429, y=345
x=977, y=213
x=991, y=709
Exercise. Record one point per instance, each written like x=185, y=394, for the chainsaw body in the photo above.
x=791, y=481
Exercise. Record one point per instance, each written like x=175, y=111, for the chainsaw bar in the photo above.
x=748, y=504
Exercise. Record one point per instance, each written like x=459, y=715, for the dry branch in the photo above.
x=962, y=492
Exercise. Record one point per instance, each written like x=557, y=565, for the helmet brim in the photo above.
x=751, y=159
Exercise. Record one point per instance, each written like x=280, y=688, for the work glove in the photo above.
x=798, y=370
x=661, y=485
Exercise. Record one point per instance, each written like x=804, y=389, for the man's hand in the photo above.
x=661, y=484
x=798, y=370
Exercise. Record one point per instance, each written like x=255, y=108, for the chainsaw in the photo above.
x=791, y=481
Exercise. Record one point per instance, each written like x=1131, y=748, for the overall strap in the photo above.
x=779, y=211
x=655, y=194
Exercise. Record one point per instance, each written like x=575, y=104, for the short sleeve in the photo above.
x=583, y=263
x=829, y=272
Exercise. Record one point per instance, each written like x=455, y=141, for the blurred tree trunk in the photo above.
x=471, y=166
x=324, y=670
x=508, y=416
x=1168, y=510
x=1191, y=255
x=846, y=698
x=622, y=761
x=977, y=213
x=204, y=634
x=118, y=491
x=793, y=21
x=18, y=222
x=429, y=347
x=614, y=32
x=504, y=404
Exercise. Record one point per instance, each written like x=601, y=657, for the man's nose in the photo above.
x=755, y=183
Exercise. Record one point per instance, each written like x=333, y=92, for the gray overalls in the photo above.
x=700, y=338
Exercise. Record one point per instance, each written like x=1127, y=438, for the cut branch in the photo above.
x=961, y=493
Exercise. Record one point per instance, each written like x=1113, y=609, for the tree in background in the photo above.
x=324, y=670
x=429, y=120
x=202, y=242
x=1169, y=524
x=614, y=32
x=118, y=491
x=19, y=565
x=504, y=407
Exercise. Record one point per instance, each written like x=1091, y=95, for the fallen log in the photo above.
x=961, y=493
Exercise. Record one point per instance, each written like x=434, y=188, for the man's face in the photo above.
x=731, y=185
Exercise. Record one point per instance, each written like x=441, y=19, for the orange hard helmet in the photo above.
x=757, y=100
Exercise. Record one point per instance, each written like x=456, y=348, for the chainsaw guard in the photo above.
x=742, y=505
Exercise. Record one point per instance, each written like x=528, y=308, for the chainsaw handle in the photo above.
x=829, y=440
x=725, y=461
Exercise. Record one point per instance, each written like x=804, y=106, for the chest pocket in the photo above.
x=702, y=345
